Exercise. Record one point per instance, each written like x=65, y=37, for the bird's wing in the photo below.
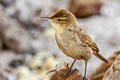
x=87, y=40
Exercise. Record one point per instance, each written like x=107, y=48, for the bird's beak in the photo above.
x=46, y=18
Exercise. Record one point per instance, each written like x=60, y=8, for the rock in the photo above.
x=37, y=67
x=0, y=44
x=16, y=63
x=113, y=73
x=43, y=61
x=24, y=73
x=2, y=77
x=13, y=35
x=6, y=57
x=7, y=2
x=85, y=8
x=100, y=72
x=59, y=75
x=1, y=34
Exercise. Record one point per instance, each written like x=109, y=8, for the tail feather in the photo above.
x=101, y=57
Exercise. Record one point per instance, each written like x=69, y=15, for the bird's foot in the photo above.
x=84, y=78
x=70, y=72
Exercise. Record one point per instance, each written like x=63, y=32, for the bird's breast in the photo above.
x=70, y=45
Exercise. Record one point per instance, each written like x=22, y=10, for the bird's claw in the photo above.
x=75, y=70
x=70, y=72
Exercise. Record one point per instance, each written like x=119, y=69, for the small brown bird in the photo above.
x=72, y=39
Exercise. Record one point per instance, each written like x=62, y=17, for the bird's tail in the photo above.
x=101, y=57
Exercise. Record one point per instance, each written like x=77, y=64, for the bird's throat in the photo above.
x=58, y=28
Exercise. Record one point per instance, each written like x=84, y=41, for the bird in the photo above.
x=73, y=40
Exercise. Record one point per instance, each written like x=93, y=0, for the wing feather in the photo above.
x=88, y=42
x=86, y=39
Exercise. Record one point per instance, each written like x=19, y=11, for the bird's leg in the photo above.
x=70, y=70
x=84, y=78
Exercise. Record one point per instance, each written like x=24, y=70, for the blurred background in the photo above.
x=28, y=49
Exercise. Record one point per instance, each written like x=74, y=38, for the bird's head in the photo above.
x=61, y=19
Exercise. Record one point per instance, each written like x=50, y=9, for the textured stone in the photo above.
x=100, y=72
x=85, y=8
x=59, y=75
x=113, y=73
x=13, y=35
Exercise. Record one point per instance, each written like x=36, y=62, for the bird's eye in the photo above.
x=59, y=19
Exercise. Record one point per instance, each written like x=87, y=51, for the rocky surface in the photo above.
x=60, y=74
x=13, y=35
x=113, y=73
x=3, y=77
x=85, y=8
x=101, y=71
